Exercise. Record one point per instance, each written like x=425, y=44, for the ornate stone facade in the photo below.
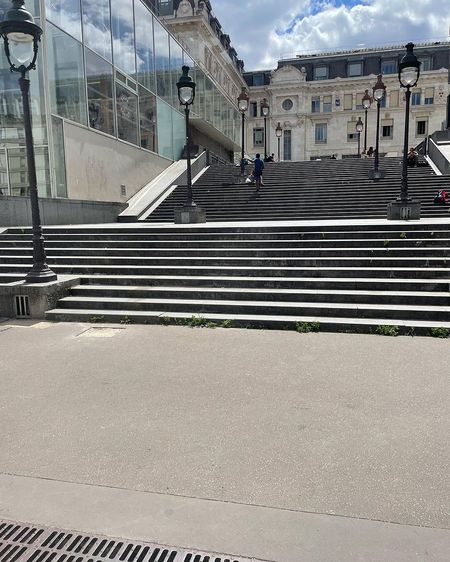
x=319, y=108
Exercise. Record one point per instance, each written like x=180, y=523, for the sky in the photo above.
x=264, y=31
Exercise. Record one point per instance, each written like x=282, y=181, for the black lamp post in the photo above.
x=278, y=133
x=379, y=91
x=265, y=110
x=243, y=100
x=186, y=94
x=367, y=102
x=408, y=75
x=359, y=128
x=21, y=38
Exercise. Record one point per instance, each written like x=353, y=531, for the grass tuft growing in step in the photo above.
x=306, y=327
x=95, y=319
x=392, y=331
x=439, y=332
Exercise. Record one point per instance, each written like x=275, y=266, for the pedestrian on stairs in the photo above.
x=259, y=167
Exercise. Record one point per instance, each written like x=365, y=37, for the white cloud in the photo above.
x=262, y=31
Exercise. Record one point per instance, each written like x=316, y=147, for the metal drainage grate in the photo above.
x=22, y=306
x=27, y=543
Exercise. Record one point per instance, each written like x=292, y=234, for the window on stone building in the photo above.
x=429, y=96
x=321, y=73
x=315, y=104
x=359, y=102
x=320, y=133
x=287, y=104
x=253, y=109
x=258, y=80
x=327, y=104
x=348, y=101
x=388, y=67
x=426, y=63
x=415, y=97
x=387, y=128
x=393, y=98
x=383, y=101
x=287, y=145
x=352, y=135
x=258, y=136
x=354, y=69
x=421, y=127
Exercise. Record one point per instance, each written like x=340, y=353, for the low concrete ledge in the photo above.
x=38, y=298
x=16, y=211
x=403, y=210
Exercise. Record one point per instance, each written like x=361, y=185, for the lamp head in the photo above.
x=21, y=37
x=265, y=107
x=186, y=88
x=367, y=100
x=243, y=100
x=278, y=130
x=359, y=125
x=409, y=68
x=379, y=90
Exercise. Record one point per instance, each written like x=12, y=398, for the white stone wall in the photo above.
x=290, y=83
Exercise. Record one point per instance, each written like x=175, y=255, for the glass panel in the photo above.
x=66, y=75
x=179, y=134
x=388, y=67
x=66, y=14
x=321, y=73
x=415, y=98
x=164, y=129
x=209, y=100
x=59, y=172
x=287, y=145
x=97, y=27
x=148, y=118
x=162, y=62
x=199, y=108
x=355, y=69
x=123, y=35
x=99, y=76
x=176, y=62
x=18, y=174
x=127, y=124
x=145, y=55
x=4, y=188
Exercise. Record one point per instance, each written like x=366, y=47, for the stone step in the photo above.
x=230, y=307
x=264, y=294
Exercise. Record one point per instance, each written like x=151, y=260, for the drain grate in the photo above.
x=27, y=543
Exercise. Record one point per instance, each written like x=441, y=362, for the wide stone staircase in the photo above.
x=306, y=190
x=340, y=277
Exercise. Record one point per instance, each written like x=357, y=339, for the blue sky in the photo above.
x=263, y=31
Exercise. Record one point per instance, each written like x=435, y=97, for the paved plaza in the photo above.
x=266, y=444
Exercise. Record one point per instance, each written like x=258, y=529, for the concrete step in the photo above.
x=305, y=323
x=230, y=307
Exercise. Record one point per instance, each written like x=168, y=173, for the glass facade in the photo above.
x=112, y=67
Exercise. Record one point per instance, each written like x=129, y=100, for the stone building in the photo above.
x=317, y=99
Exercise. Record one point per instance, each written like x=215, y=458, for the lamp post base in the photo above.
x=189, y=214
x=45, y=275
x=403, y=210
x=376, y=174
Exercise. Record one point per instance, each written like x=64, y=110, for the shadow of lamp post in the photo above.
x=21, y=37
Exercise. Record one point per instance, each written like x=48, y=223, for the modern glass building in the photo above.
x=104, y=101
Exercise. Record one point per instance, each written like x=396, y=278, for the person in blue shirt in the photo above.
x=259, y=167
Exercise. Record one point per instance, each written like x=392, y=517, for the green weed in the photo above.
x=387, y=330
x=440, y=332
x=306, y=327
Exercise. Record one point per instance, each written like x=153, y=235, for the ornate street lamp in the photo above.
x=359, y=127
x=379, y=91
x=408, y=76
x=278, y=133
x=367, y=102
x=186, y=95
x=21, y=37
x=243, y=100
x=265, y=110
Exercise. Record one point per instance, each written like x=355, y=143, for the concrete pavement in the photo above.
x=270, y=441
